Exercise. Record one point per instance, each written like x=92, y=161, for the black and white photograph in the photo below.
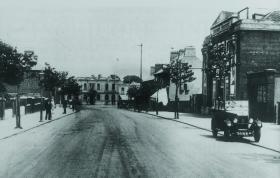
x=139, y=89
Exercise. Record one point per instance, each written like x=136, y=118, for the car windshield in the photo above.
x=237, y=107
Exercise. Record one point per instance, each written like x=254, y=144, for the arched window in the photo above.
x=106, y=97
x=98, y=97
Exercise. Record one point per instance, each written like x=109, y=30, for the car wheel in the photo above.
x=213, y=128
x=257, y=134
x=227, y=133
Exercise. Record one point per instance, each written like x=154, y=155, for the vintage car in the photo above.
x=233, y=120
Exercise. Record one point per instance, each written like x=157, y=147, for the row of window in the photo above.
x=113, y=97
x=92, y=86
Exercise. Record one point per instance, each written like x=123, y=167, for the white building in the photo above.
x=187, y=55
x=107, y=88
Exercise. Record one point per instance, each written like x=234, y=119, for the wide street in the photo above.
x=101, y=141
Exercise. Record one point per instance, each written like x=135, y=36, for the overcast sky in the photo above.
x=86, y=37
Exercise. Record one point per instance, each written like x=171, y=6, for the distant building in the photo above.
x=107, y=88
x=255, y=45
x=28, y=87
x=187, y=55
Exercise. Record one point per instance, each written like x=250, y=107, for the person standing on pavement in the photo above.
x=48, y=107
x=64, y=104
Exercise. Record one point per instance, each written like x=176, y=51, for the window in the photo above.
x=113, y=86
x=98, y=97
x=186, y=89
x=122, y=91
x=262, y=94
x=106, y=86
x=85, y=86
x=98, y=86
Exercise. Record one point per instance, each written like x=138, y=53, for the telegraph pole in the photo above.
x=141, y=46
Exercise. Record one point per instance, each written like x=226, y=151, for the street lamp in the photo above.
x=41, y=77
x=17, y=104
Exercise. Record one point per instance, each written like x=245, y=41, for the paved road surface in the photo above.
x=106, y=142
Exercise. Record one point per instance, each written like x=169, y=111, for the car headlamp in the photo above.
x=251, y=120
x=235, y=120
x=259, y=123
x=228, y=123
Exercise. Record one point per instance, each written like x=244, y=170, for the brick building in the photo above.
x=255, y=45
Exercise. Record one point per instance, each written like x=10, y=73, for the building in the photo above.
x=107, y=88
x=29, y=86
x=264, y=95
x=186, y=90
x=254, y=45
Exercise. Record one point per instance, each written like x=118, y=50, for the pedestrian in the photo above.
x=64, y=104
x=73, y=103
x=53, y=103
x=48, y=107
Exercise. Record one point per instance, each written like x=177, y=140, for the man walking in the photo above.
x=48, y=107
x=64, y=104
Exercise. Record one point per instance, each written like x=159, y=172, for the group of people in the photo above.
x=49, y=105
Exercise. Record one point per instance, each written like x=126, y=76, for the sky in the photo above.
x=91, y=37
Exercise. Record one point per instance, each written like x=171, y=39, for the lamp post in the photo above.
x=141, y=48
x=17, y=103
x=41, y=77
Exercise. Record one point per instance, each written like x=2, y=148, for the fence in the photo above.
x=29, y=105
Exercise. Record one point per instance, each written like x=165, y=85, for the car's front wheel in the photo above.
x=257, y=134
x=214, y=129
x=227, y=133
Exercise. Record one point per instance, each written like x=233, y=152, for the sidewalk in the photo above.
x=28, y=121
x=270, y=137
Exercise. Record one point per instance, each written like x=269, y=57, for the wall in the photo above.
x=259, y=50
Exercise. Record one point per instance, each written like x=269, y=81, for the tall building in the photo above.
x=254, y=43
x=107, y=88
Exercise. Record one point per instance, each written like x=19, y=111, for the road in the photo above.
x=102, y=141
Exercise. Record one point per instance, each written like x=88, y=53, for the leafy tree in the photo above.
x=14, y=64
x=131, y=78
x=53, y=79
x=70, y=87
x=220, y=63
x=132, y=91
x=179, y=73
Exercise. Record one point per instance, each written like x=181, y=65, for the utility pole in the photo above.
x=141, y=46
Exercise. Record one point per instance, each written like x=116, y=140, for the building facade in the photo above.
x=264, y=95
x=106, y=88
x=254, y=45
x=186, y=90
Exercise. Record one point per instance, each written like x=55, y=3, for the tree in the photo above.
x=13, y=64
x=53, y=79
x=221, y=62
x=131, y=78
x=179, y=73
x=70, y=86
x=92, y=95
